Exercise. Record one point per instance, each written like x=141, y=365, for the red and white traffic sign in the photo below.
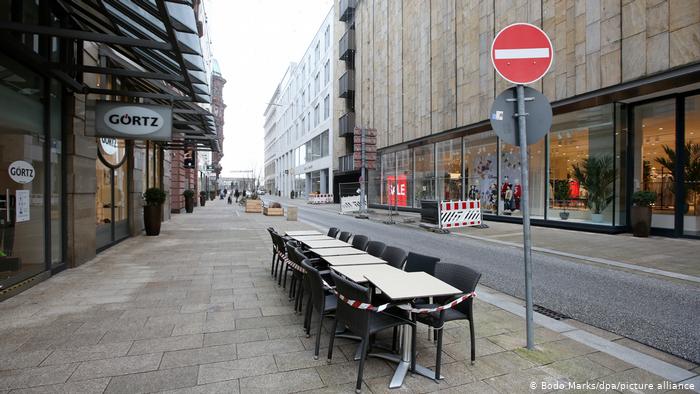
x=521, y=53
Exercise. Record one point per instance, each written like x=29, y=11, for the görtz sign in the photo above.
x=133, y=121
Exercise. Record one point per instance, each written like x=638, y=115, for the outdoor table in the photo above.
x=348, y=250
x=303, y=232
x=360, y=259
x=303, y=238
x=406, y=286
x=333, y=243
x=356, y=273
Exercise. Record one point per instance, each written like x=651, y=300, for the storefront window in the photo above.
x=22, y=174
x=388, y=178
x=481, y=170
x=424, y=174
x=582, y=172
x=654, y=167
x=374, y=184
x=404, y=178
x=691, y=183
x=510, y=187
x=56, y=174
x=449, y=169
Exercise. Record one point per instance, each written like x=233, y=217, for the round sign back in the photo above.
x=505, y=123
x=521, y=53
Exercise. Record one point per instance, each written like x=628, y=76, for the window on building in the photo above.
x=326, y=107
x=303, y=97
x=327, y=37
x=424, y=173
x=481, y=170
x=317, y=117
x=317, y=53
x=324, y=144
x=308, y=124
x=317, y=84
x=303, y=125
x=326, y=73
x=449, y=169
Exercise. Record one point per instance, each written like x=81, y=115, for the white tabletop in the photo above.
x=333, y=243
x=353, y=259
x=348, y=250
x=356, y=273
x=406, y=285
x=303, y=238
x=303, y=232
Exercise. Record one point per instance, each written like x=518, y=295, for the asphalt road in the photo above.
x=657, y=312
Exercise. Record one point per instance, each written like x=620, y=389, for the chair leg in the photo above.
x=300, y=298
x=284, y=279
x=360, y=371
x=292, y=281
x=473, y=344
x=318, y=335
x=438, y=355
x=272, y=264
x=282, y=271
x=330, y=343
x=307, y=318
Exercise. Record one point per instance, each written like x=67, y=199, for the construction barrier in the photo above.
x=349, y=204
x=320, y=199
x=460, y=213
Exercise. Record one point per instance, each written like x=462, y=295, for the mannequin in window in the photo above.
x=517, y=192
x=508, y=202
x=505, y=186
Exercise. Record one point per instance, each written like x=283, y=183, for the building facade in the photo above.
x=623, y=86
x=299, y=123
x=70, y=189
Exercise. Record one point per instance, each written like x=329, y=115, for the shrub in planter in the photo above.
x=189, y=200
x=275, y=205
x=202, y=198
x=640, y=214
x=152, y=210
x=212, y=195
x=562, y=192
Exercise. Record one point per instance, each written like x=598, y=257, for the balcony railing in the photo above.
x=347, y=9
x=346, y=124
x=346, y=84
x=347, y=45
x=346, y=163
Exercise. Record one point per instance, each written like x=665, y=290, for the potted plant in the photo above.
x=253, y=204
x=275, y=209
x=640, y=214
x=212, y=195
x=202, y=198
x=691, y=172
x=562, y=191
x=596, y=175
x=152, y=210
x=189, y=200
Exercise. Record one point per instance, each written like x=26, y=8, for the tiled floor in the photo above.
x=195, y=311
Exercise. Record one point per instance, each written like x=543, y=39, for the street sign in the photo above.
x=521, y=53
x=504, y=119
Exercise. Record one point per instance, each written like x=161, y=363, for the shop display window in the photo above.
x=424, y=174
x=691, y=181
x=481, y=170
x=388, y=166
x=449, y=169
x=582, y=171
x=404, y=178
x=510, y=188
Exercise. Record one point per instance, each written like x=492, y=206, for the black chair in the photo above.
x=333, y=232
x=281, y=250
x=320, y=299
x=360, y=242
x=419, y=262
x=273, y=233
x=376, y=248
x=394, y=256
x=345, y=236
x=363, y=322
x=465, y=279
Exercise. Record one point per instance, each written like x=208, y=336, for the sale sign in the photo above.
x=397, y=190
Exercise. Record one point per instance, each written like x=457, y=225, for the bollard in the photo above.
x=292, y=213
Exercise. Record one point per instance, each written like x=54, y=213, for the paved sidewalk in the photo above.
x=675, y=255
x=195, y=311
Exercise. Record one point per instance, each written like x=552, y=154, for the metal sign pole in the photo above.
x=525, y=207
x=363, y=202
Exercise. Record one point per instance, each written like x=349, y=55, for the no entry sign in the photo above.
x=521, y=53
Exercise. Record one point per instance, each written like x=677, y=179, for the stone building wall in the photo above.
x=424, y=67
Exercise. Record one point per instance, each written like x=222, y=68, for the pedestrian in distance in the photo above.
x=236, y=194
x=230, y=200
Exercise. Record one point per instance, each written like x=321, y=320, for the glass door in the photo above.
x=654, y=146
x=691, y=166
x=111, y=203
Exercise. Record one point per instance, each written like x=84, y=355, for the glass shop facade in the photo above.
x=582, y=174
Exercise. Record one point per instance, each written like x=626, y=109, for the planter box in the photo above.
x=253, y=206
x=273, y=211
x=292, y=213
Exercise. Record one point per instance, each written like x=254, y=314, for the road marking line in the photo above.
x=521, y=53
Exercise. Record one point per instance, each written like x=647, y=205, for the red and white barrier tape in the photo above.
x=407, y=307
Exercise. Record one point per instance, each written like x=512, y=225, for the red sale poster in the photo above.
x=397, y=192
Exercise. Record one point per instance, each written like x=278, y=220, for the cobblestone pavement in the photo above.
x=195, y=311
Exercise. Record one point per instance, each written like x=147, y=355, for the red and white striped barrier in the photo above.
x=460, y=213
x=320, y=199
x=407, y=307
